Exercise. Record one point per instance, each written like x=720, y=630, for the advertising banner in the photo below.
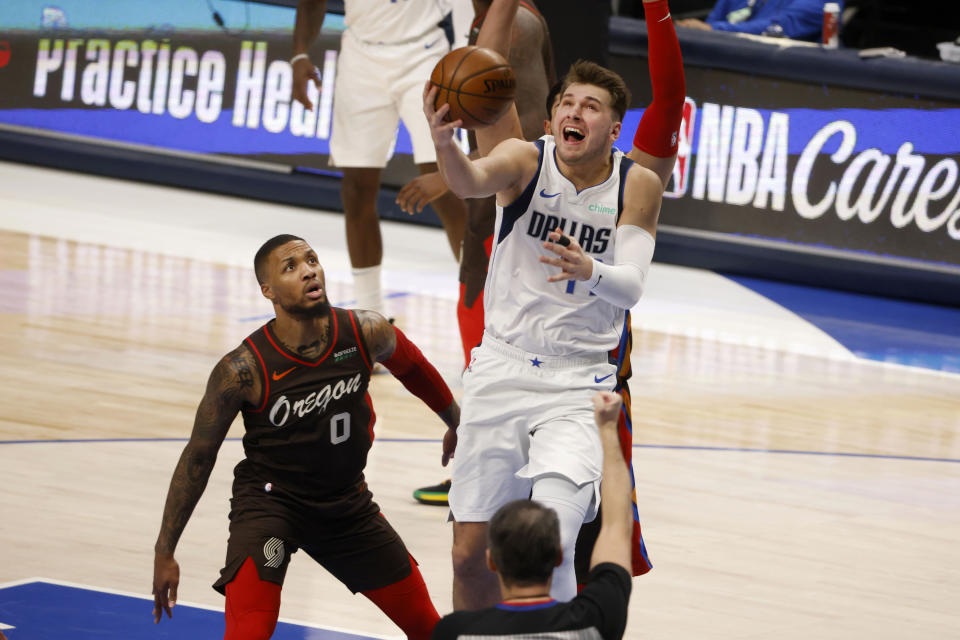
x=809, y=164
x=169, y=76
x=820, y=166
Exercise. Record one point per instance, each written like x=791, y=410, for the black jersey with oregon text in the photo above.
x=312, y=430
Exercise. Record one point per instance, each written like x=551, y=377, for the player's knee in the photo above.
x=469, y=559
x=252, y=606
x=359, y=193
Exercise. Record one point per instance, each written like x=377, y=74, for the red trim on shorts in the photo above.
x=266, y=379
x=356, y=332
x=286, y=354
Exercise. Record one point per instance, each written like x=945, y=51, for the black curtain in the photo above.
x=578, y=29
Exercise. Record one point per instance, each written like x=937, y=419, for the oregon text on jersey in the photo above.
x=316, y=401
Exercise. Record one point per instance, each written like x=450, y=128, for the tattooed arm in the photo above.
x=231, y=383
x=387, y=344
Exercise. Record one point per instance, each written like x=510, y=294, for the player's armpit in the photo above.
x=378, y=333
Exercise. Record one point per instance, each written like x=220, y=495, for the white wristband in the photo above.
x=299, y=56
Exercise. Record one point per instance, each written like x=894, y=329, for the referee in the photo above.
x=524, y=547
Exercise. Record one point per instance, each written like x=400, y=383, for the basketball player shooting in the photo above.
x=300, y=382
x=553, y=312
x=655, y=148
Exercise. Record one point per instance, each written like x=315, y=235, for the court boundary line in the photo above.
x=667, y=447
x=206, y=607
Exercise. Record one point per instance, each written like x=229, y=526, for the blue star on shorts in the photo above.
x=536, y=362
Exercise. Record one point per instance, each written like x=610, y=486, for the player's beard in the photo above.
x=316, y=310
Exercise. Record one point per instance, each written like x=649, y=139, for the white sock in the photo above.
x=571, y=504
x=367, y=289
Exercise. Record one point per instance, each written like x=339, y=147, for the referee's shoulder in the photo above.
x=452, y=625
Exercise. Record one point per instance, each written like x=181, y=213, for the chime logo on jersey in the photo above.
x=681, y=169
x=317, y=401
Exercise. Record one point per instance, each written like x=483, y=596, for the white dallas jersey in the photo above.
x=554, y=318
x=393, y=21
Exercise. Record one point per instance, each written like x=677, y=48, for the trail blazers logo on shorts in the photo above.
x=273, y=553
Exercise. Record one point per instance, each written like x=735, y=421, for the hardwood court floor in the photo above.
x=787, y=488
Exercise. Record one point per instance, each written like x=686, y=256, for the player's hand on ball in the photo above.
x=303, y=73
x=441, y=130
x=606, y=408
x=421, y=191
x=573, y=263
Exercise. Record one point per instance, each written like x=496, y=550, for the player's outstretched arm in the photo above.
x=389, y=345
x=657, y=136
x=616, y=526
x=510, y=164
x=231, y=382
x=306, y=28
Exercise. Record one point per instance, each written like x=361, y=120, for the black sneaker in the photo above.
x=436, y=495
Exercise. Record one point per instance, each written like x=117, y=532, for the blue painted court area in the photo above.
x=47, y=611
x=882, y=329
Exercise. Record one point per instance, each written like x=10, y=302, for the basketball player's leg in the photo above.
x=407, y=603
x=364, y=127
x=492, y=446
x=366, y=554
x=258, y=554
x=252, y=606
x=358, y=192
x=409, y=91
x=477, y=245
x=566, y=460
x=474, y=585
x=572, y=503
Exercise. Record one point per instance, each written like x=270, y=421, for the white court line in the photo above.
x=206, y=607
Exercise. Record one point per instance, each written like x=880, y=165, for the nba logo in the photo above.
x=678, y=185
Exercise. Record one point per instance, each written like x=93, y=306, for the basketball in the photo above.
x=477, y=83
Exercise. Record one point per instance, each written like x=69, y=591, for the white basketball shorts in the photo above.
x=524, y=416
x=376, y=86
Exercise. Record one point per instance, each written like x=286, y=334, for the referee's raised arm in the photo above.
x=613, y=541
